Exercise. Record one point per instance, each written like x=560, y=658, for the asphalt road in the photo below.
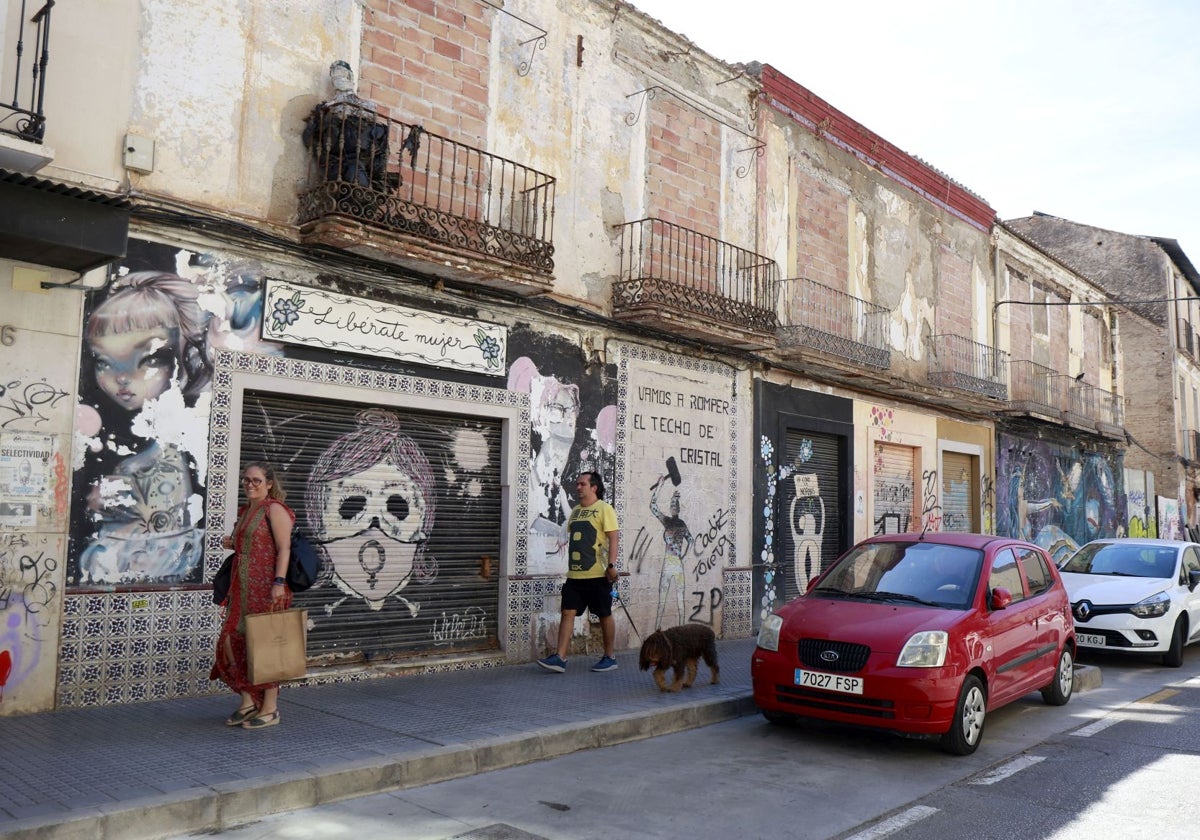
x=1118, y=761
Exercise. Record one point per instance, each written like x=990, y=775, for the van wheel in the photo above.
x=1173, y=658
x=966, y=730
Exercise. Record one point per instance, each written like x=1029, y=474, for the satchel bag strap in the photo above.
x=244, y=560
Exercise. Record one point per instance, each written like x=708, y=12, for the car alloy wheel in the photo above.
x=1058, y=692
x=966, y=729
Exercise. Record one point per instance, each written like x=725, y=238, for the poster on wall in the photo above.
x=679, y=531
x=140, y=454
x=24, y=477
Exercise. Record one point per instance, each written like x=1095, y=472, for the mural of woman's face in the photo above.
x=133, y=367
x=372, y=529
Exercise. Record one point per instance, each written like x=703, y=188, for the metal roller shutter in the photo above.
x=895, y=492
x=810, y=508
x=405, y=507
x=960, y=487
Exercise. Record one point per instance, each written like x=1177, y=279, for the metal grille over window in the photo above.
x=405, y=509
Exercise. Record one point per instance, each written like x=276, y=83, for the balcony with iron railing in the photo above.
x=678, y=280
x=1109, y=413
x=966, y=365
x=23, y=119
x=1035, y=389
x=822, y=321
x=1080, y=407
x=394, y=191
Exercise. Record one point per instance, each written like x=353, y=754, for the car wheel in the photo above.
x=966, y=730
x=1058, y=692
x=777, y=718
x=1173, y=658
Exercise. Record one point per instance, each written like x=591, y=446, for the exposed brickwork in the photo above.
x=953, y=312
x=1149, y=400
x=1020, y=322
x=822, y=237
x=426, y=62
x=684, y=167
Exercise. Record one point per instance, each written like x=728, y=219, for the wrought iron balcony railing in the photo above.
x=408, y=180
x=1080, y=407
x=25, y=119
x=668, y=267
x=1109, y=411
x=1034, y=388
x=833, y=322
x=958, y=362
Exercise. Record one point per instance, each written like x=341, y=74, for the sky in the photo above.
x=1084, y=109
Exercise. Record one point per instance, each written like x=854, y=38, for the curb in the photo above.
x=1087, y=677
x=230, y=804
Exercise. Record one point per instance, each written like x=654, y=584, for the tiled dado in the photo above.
x=131, y=646
x=735, y=608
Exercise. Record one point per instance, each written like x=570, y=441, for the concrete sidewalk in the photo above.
x=170, y=767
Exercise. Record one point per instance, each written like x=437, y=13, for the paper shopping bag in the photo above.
x=275, y=646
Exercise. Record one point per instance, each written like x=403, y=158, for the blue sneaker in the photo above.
x=554, y=663
x=606, y=663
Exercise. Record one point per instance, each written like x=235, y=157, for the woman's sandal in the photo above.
x=241, y=716
x=262, y=722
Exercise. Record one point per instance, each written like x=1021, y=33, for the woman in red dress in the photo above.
x=262, y=544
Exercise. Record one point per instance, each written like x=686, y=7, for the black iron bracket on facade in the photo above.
x=538, y=41
x=648, y=93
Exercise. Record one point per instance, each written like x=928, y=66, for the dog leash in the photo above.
x=617, y=597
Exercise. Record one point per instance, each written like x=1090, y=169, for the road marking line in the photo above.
x=893, y=824
x=1098, y=726
x=1005, y=770
x=1159, y=696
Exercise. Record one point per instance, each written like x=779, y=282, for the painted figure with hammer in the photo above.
x=678, y=542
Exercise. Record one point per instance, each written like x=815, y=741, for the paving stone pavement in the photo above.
x=156, y=769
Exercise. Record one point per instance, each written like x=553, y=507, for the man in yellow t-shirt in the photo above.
x=592, y=549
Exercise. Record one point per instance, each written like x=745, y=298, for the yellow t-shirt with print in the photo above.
x=587, y=549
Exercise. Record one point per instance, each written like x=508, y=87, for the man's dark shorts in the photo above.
x=593, y=593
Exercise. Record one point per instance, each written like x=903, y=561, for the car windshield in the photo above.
x=914, y=572
x=1127, y=560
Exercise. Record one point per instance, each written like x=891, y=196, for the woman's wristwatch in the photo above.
x=279, y=582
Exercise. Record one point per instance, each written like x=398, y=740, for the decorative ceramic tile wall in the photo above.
x=132, y=646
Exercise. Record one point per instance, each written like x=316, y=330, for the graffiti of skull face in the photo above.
x=373, y=530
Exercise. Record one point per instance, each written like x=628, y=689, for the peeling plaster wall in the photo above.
x=36, y=415
x=223, y=90
x=897, y=249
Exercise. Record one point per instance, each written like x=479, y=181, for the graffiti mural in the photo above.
x=142, y=419
x=676, y=502
x=401, y=507
x=573, y=430
x=1056, y=495
x=28, y=593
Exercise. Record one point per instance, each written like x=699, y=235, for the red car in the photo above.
x=921, y=634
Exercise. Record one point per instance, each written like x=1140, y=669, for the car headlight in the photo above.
x=1152, y=607
x=926, y=649
x=768, y=634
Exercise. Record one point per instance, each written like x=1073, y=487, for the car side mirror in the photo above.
x=1001, y=598
x=1193, y=579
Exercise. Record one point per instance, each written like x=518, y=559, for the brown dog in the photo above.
x=680, y=648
